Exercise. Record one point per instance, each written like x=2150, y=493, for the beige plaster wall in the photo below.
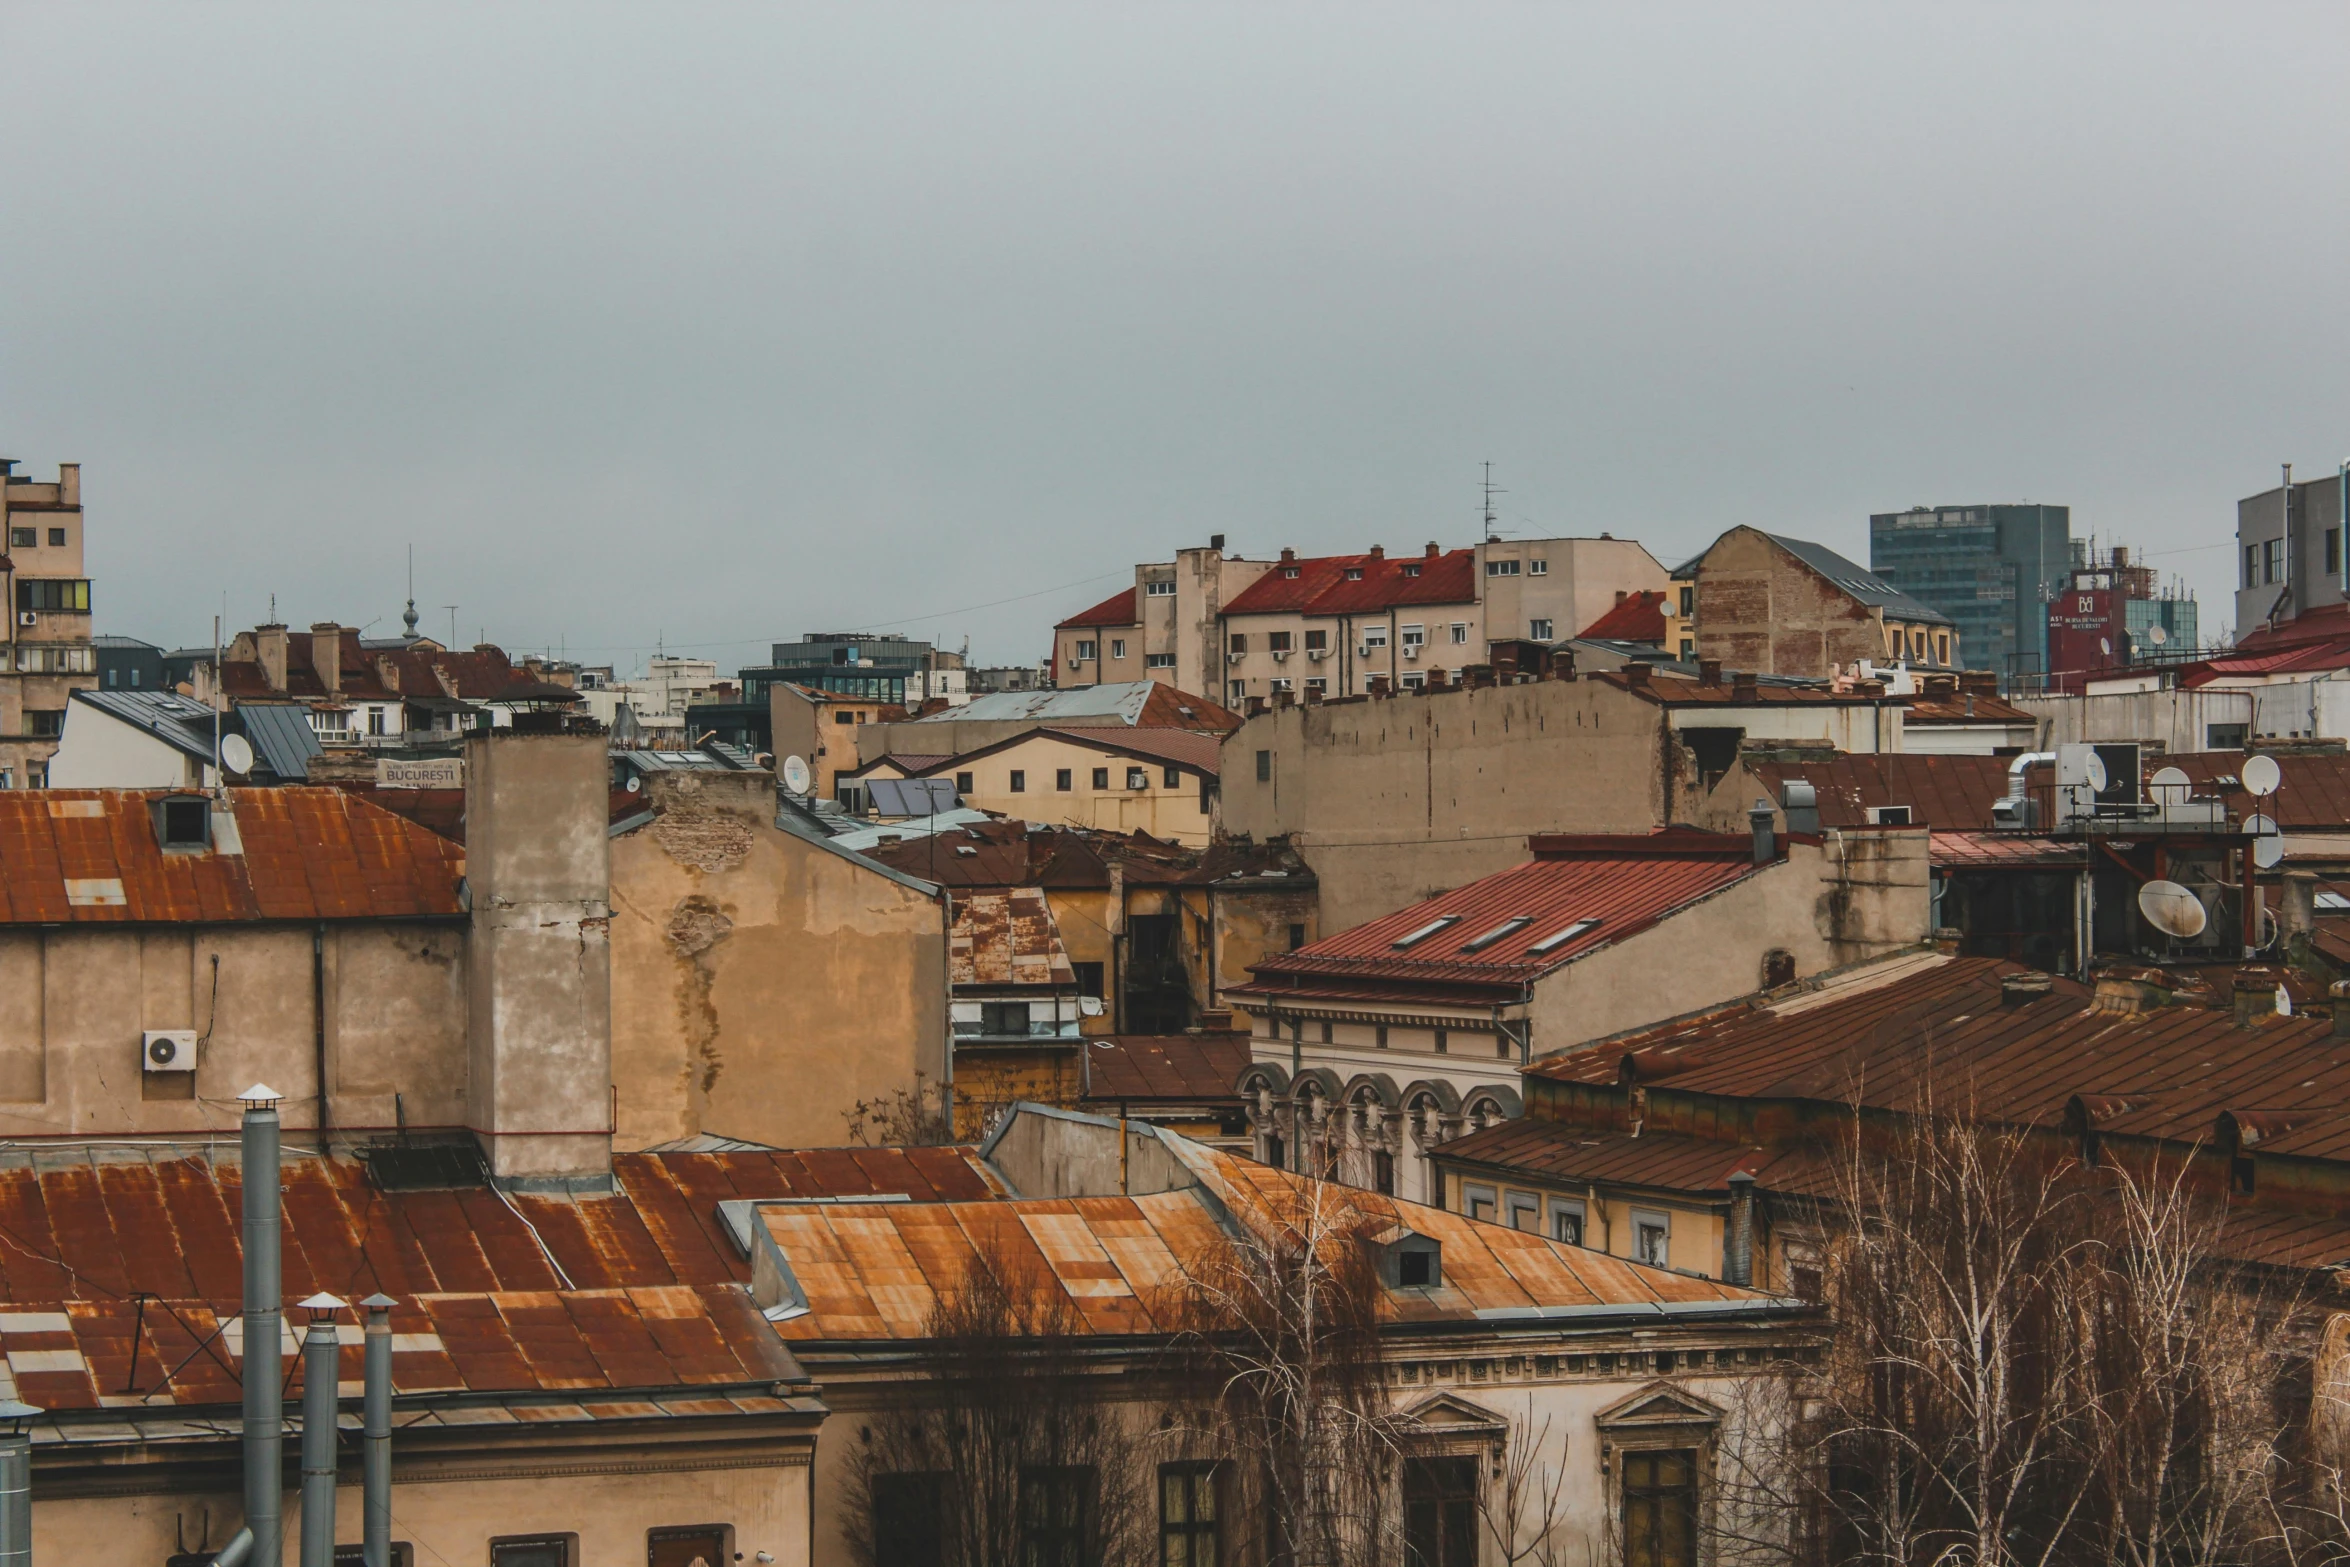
x=762, y=985
x=75, y=1000
x=1172, y=814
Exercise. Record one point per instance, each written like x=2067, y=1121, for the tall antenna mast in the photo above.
x=452, y=609
x=1490, y=493
x=219, y=773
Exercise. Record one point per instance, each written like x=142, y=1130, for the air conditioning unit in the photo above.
x=25, y=617
x=1317, y=654
x=1077, y=663
x=1234, y=658
x=1411, y=652
x=1281, y=655
x=1365, y=650
x=168, y=1050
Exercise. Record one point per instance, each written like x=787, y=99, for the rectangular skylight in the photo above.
x=1508, y=927
x=1553, y=943
x=2333, y=902
x=1427, y=930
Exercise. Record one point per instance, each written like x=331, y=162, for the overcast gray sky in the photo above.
x=720, y=325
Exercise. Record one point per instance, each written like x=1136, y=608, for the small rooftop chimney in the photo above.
x=1766, y=842
x=2018, y=990
x=1288, y=555
x=1433, y=551
x=1636, y=675
x=1709, y=671
x=1562, y=663
x=1744, y=687
x=1378, y=552
x=2255, y=996
x=269, y=650
x=326, y=655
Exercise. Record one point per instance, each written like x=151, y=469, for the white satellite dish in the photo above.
x=2156, y=635
x=2093, y=772
x=236, y=753
x=2105, y=646
x=2172, y=909
x=796, y=776
x=2171, y=778
x=2261, y=775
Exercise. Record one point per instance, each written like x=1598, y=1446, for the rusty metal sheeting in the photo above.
x=1007, y=938
x=1949, y=792
x=1661, y=1161
x=93, y=856
x=1146, y=1069
x=2314, y=796
x=2006, y=851
x=1624, y=884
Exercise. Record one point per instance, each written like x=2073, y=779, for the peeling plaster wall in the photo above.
x=762, y=985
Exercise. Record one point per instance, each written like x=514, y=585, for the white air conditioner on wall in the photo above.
x=1411, y=652
x=168, y=1050
x=1317, y=654
x=25, y=617
x=1281, y=655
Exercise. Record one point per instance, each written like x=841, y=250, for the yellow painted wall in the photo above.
x=1173, y=814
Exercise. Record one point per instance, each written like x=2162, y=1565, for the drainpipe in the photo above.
x=16, y=1484
x=318, y=1018
x=1738, y=1263
x=376, y=1435
x=321, y=1370
x=262, y=1538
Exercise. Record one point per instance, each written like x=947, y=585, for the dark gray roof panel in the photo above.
x=281, y=733
x=1857, y=580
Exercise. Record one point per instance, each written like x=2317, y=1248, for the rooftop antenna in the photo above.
x=219, y=773
x=409, y=619
x=1490, y=492
x=272, y=611
x=452, y=609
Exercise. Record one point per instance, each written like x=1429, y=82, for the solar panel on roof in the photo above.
x=911, y=796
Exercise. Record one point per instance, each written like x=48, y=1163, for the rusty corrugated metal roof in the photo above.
x=1186, y=1068
x=94, y=855
x=1007, y=938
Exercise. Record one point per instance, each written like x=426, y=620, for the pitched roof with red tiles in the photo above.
x=1166, y=1068
x=1358, y=584
x=1116, y=610
x=1578, y=894
x=654, y=1296
x=96, y=856
x=477, y=674
x=1637, y=617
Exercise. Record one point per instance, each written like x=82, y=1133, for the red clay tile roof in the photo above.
x=655, y=1297
x=1116, y=610
x=1184, y=1068
x=93, y=856
x=1638, y=617
x=1321, y=585
x=1487, y=931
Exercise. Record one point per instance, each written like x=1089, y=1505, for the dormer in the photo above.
x=1408, y=1259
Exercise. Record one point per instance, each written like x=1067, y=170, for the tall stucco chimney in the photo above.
x=326, y=655
x=269, y=649
x=538, y=872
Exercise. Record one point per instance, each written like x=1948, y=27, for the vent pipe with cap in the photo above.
x=262, y=1539
x=1738, y=1264
x=375, y=1473
x=16, y=1483
x=321, y=1372
x=1766, y=842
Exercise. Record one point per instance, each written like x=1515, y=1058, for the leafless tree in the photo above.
x=915, y=1117
x=1283, y=1321
x=1013, y=1450
x=1524, y=1510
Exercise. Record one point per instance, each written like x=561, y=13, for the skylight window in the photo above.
x=2333, y=903
x=1508, y=927
x=1550, y=944
x=1427, y=930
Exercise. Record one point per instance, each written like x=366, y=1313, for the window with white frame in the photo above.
x=1539, y=630
x=1374, y=636
x=1413, y=636
x=1084, y=652
x=1460, y=632
x=1236, y=689
x=1501, y=568
x=1412, y=680
x=1538, y=568
x=1282, y=683
x=1158, y=661
x=1317, y=683
x=1652, y=1238
x=1566, y=1221
x=1117, y=647
x=1158, y=590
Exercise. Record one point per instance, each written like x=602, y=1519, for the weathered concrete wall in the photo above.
x=538, y=866
x=1761, y=609
x=74, y=1002
x=762, y=985
x=1062, y=1156
x=1393, y=801
x=2169, y=720
x=1851, y=897
x=989, y=1079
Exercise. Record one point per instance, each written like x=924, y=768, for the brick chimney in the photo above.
x=1562, y=663
x=1378, y=552
x=1433, y=551
x=1744, y=687
x=69, y=484
x=1288, y=556
x=1636, y=675
x=1709, y=671
x=1379, y=685
x=269, y=650
x=326, y=655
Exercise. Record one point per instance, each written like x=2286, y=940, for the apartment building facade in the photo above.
x=49, y=652
x=1233, y=628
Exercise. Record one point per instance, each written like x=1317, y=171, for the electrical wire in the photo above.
x=536, y=1236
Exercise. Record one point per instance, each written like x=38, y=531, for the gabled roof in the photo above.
x=1577, y=894
x=1863, y=584
x=1359, y=584
x=1116, y=610
x=1006, y=938
x=181, y=722
x=92, y=856
x=1637, y=617
x=281, y=734
x=374, y=674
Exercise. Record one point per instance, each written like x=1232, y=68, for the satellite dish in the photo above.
x=2093, y=772
x=2105, y=646
x=236, y=753
x=635, y=783
x=2170, y=778
x=2266, y=852
x=2172, y=909
x=2261, y=775
x=2156, y=635
x=796, y=776
x=2260, y=826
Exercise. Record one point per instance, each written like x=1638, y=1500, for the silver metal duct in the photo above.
x=376, y=1427
x=16, y=1484
x=263, y=1537
x=321, y=1376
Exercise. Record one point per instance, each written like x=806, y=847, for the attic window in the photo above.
x=1427, y=930
x=1354, y=573
x=1508, y=927
x=1552, y=943
x=1411, y=571
x=184, y=822
x=1289, y=571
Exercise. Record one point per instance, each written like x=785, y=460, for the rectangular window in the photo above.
x=1284, y=683
x=1374, y=636
x=2333, y=551
x=1085, y=652
x=844, y=717
x=1941, y=649
x=1652, y=1239
x=537, y=1550
x=1237, y=690
x=44, y=723
x=1318, y=683
x=375, y=720
x=1566, y=1222
x=1539, y=630
x=1188, y=1532
x=1501, y=568
x=1056, y=1522
x=1009, y=1018
x=1440, y=1511
x=1239, y=642
x=1158, y=590
x=1525, y=1213
x=1443, y=1042
x=962, y=783
x=1089, y=979
x=2252, y=565
x=698, y=1545
x=1660, y=1509
x=1137, y=778
x=1379, y=1035
x=1171, y=778
x=1062, y=779
x=1480, y=1200
x=2272, y=559
x=1688, y=602
x=909, y=1520
x=1297, y=939
x=1158, y=661
x=1101, y=778
x=1413, y=636
x=1460, y=633
x=57, y=538
x=1277, y=641
x=1538, y=568
x=54, y=595
x=1117, y=647
x=1019, y=781
x=1264, y=767
x=1317, y=641
x=23, y=538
